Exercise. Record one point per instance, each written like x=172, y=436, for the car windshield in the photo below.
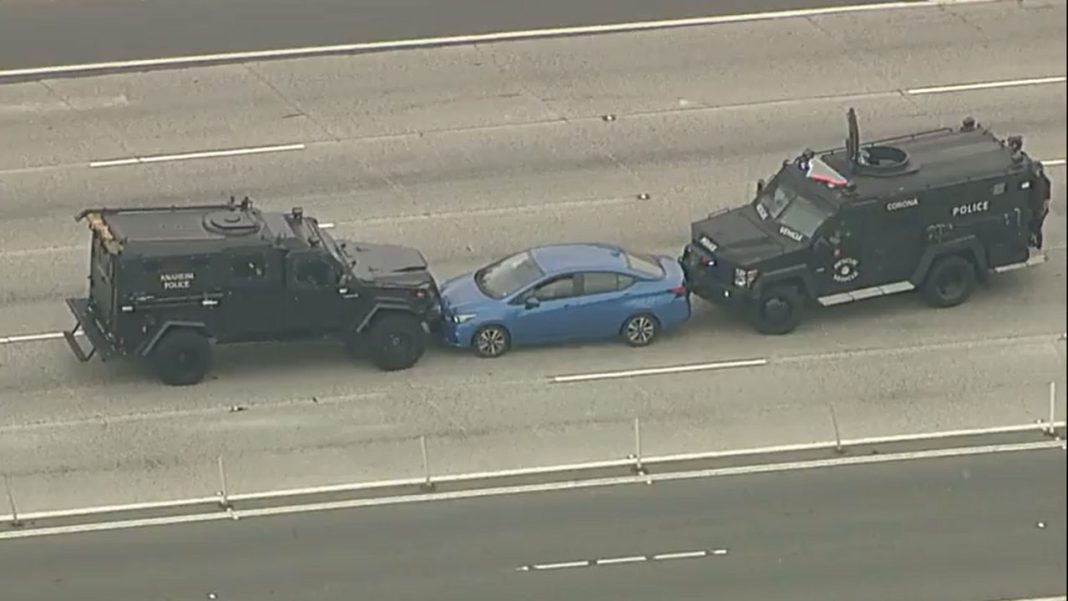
x=645, y=264
x=508, y=275
x=786, y=206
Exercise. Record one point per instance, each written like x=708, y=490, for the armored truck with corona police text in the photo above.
x=934, y=211
x=165, y=284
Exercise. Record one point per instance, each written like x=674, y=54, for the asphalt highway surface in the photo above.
x=980, y=528
x=471, y=152
x=41, y=34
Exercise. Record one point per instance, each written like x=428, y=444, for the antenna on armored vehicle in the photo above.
x=853, y=141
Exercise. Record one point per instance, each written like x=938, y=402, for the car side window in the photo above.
x=314, y=272
x=600, y=282
x=561, y=287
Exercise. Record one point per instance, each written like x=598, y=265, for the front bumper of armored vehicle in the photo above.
x=101, y=343
x=711, y=280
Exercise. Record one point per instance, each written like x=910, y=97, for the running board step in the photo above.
x=866, y=293
x=1035, y=259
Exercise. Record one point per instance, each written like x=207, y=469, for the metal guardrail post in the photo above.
x=638, y=467
x=224, y=496
x=837, y=432
x=15, y=521
x=427, y=484
x=1051, y=428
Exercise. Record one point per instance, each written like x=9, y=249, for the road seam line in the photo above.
x=480, y=38
x=513, y=490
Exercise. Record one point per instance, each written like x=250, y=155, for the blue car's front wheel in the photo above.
x=640, y=330
x=491, y=341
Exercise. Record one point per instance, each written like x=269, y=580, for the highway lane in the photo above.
x=41, y=34
x=149, y=444
x=511, y=175
x=974, y=528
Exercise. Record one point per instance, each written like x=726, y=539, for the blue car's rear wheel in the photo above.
x=491, y=341
x=640, y=330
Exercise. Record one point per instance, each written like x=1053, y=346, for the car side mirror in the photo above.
x=532, y=303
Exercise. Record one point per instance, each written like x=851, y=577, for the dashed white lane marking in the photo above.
x=1054, y=163
x=656, y=371
x=481, y=38
x=206, y=154
x=588, y=563
x=987, y=85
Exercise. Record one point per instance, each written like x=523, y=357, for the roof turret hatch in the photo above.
x=231, y=223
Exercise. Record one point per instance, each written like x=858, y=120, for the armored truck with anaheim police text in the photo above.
x=934, y=211
x=165, y=284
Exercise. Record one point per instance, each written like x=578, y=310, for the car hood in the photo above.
x=388, y=263
x=739, y=236
x=461, y=294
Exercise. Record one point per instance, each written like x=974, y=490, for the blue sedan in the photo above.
x=563, y=293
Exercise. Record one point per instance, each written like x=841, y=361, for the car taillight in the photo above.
x=678, y=291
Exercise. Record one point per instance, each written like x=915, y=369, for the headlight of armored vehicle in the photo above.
x=743, y=278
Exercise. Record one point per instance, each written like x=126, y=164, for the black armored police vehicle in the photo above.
x=933, y=211
x=167, y=283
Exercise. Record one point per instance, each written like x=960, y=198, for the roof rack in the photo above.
x=232, y=204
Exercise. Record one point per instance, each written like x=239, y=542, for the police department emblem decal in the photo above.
x=845, y=270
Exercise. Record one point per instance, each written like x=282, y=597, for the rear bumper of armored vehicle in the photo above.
x=100, y=343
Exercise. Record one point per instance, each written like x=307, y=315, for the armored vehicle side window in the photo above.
x=314, y=272
x=248, y=267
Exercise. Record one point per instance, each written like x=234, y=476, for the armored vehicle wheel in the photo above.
x=777, y=311
x=640, y=330
x=182, y=357
x=950, y=281
x=396, y=341
x=491, y=341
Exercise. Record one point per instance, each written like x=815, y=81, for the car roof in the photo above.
x=553, y=258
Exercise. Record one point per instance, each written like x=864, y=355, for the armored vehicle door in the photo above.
x=840, y=256
x=314, y=304
x=255, y=299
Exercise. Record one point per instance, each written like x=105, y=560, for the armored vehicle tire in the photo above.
x=777, y=311
x=491, y=341
x=950, y=281
x=640, y=330
x=396, y=341
x=182, y=357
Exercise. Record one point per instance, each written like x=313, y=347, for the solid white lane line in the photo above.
x=514, y=490
x=483, y=38
x=680, y=555
x=206, y=154
x=1054, y=163
x=655, y=371
x=986, y=85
